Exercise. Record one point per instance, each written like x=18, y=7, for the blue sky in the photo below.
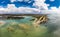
x=28, y=6
x=55, y=3
x=17, y=3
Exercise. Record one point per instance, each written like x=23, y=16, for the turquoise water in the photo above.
x=27, y=30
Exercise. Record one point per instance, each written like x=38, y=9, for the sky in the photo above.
x=28, y=6
x=53, y=3
x=29, y=3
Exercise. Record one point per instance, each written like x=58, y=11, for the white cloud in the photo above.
x=55, y=9
x=20, y=0
x=40, y=3
x=12, y=0
x=14, y=10
x=26, y=0
x=41, y=7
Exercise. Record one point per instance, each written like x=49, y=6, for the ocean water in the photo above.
x=22, y=28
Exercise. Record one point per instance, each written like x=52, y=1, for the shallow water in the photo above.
x=12, y=28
